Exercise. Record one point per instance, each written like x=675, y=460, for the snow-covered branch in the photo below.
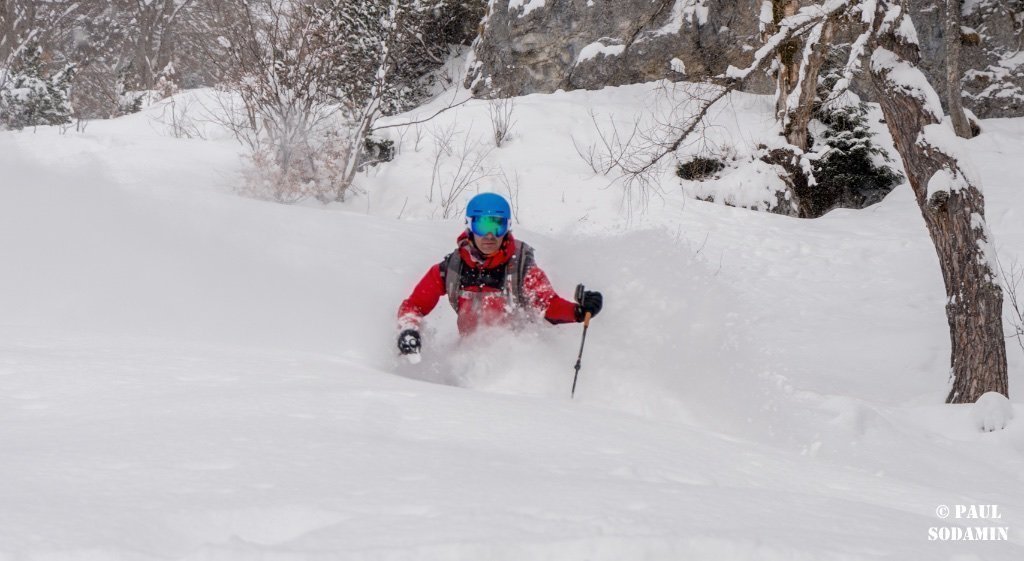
x=802, y=23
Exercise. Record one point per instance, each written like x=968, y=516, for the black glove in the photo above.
x=409, y=342
x=590, y=303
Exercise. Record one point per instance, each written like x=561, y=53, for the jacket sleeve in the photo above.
x=544, y=299
x=422, y=300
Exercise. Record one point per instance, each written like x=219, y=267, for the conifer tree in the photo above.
x=31, y=95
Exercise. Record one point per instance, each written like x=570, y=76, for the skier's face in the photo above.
x=488, y=244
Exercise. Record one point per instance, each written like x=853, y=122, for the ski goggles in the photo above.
x=483, y=225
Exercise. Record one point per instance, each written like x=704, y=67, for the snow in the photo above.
x=678, y=66
x=596, y=49
x=945, y=181
x=908, y=78
x=189, y=374
x=992, y=412
x=766, y=16
x=526, y=5
x=907, y=31
x=1012, y=62
x=693, y=11
x=941, y=136
x=971, y=6
x=867, y=11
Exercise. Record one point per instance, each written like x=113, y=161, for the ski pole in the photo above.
x=586, y=325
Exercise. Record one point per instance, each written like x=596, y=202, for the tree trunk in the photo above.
x=952, y=40
x=143, y=44
x=954, y=212
x=372, y=108
x=789, y=56
x=8, y=18
x=800, y=100
x=169, y=29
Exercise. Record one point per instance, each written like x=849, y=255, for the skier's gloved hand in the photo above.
x=409, y=342
x=591, y=303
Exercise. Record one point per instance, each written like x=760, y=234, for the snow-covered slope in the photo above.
x=188, y=374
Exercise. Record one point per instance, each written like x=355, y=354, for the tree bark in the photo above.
x=955, y=219
x=797, y=117
x=788, y=72
x=141, y=61
x=953, y=101
x=8, y=17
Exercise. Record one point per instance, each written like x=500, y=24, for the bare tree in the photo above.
x=950, y=200
x=155, y=23
x=316, y=75
x=951, y=203
x=952, y=40
x=382, y=50
x=271, y=61
x=366, y=113
x=636, y=154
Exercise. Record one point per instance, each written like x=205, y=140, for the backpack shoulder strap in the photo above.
x=517, y=267
x=453, y=278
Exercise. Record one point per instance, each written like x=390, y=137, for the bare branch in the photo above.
x=1012, y=280
x=500, y=111
x=421, y=121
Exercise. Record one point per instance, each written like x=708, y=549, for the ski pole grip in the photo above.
x=579, y=300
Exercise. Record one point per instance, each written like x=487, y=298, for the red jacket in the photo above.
x=488, y=305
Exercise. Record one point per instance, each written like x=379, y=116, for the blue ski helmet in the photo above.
x=488, y=204
x=488, y=213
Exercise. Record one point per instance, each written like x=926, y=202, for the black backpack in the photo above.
x=512, y=287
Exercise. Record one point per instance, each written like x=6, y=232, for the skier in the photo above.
x=491, y=279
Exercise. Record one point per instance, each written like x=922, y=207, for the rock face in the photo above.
x=992, y=53
x=530, y=46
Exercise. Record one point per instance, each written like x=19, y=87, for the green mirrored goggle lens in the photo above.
x=483, y=225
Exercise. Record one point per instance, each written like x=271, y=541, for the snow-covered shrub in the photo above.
x=166, y=83
x=295, y=67
x=276, y=100
x=699, y=168
x=32, y=95
x=311, y=167
x=130, y=103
